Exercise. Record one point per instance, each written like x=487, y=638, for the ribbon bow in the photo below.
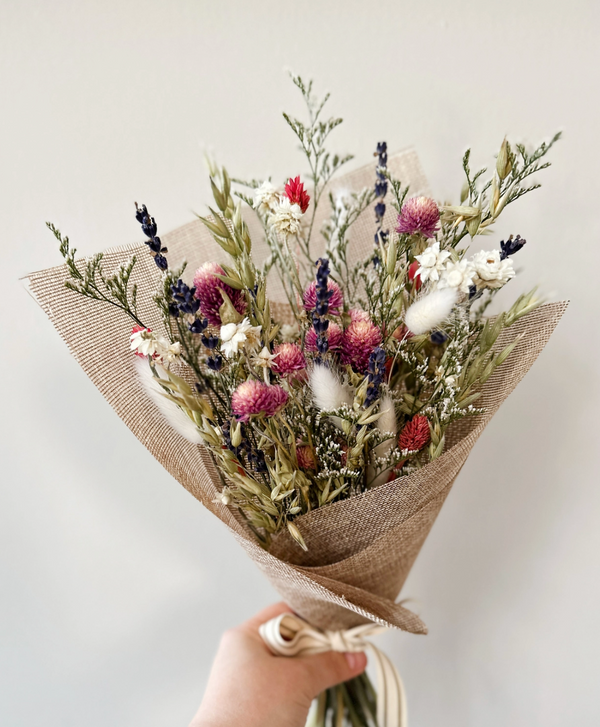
x=289, y=635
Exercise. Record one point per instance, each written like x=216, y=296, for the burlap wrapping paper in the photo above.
x=360, y=550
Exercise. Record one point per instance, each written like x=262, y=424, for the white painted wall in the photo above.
x=115, y=583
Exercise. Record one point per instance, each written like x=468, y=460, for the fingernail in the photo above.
x=352, y=659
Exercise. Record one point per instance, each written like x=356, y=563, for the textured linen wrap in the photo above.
x=360, y=550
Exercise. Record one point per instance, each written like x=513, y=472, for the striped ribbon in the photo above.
x=289, y=635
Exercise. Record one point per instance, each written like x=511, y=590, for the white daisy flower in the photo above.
x=286, y=217
x=235, y=336
x=266, y=199
x=431, y=262
x=456, y=275
x=490, y=270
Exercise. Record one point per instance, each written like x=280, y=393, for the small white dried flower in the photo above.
x=289, y=332
x=266, y=199
x=431, y=262
x=264, y=360
x=490, y=271
x=456, y=275
x=239, y=335
x=285, y=219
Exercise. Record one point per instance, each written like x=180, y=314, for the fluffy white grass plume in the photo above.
x=430, y=311
x=386, y=423
x=328, y=391
x=174, y=416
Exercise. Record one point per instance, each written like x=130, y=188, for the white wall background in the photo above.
x=115, y=583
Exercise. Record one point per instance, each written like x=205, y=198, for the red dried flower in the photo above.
x=306, y=458
x=295, y=192
x=412, y=274
x=415, y=435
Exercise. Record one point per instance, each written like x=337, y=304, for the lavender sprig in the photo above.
x=376, y=372
x=381, y=188
x=149, y=228
x=320, y=323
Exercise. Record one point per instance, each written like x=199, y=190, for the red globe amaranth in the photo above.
x=306, y=458
x=419, y=215
x=334, y=337
x=208, y=288
x=358, y=342
x=295, y=192
x=253, y=398
x=412, y=274
x=415, y=434
x=336, y=302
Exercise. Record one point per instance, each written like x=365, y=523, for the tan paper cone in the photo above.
x=360, y=550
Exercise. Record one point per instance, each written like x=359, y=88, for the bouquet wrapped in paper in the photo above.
x=318, y=370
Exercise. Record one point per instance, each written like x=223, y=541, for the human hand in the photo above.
x=250, y=687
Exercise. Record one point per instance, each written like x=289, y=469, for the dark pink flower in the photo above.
x=415, y=435
x=334, y=337
x=208, y=288
x=253, y=398
x=336, y=302
x=359, y=341
x=295, y=192
x=289, y=359
x=419, y=214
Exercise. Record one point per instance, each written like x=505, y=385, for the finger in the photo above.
x=330, y=668
x=272, y=611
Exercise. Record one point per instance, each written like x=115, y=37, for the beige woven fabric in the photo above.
x=360, y=550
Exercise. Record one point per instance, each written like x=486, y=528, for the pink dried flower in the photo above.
x=359, y=340
x=415, y=434
x=306, y=458
x=289, y=359
x=336, y=302
x=334, y=337
x=253, y=398
x=208, y=288
x=295, y=192
x=356, y=314
x=419, y=214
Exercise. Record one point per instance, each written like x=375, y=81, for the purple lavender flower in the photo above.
x=511, y=246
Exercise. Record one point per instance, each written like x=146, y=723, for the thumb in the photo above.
x=332, y=667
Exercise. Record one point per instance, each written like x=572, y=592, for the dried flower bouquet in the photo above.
x=332, y=425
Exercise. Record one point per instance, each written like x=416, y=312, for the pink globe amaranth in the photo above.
x=254, y=398
x=334, y=336
x=419, y=215
x=359, y=340
x=306, y=458
x=356, y=314
x=289, y=359
x=208, y=288
x=336, y=302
